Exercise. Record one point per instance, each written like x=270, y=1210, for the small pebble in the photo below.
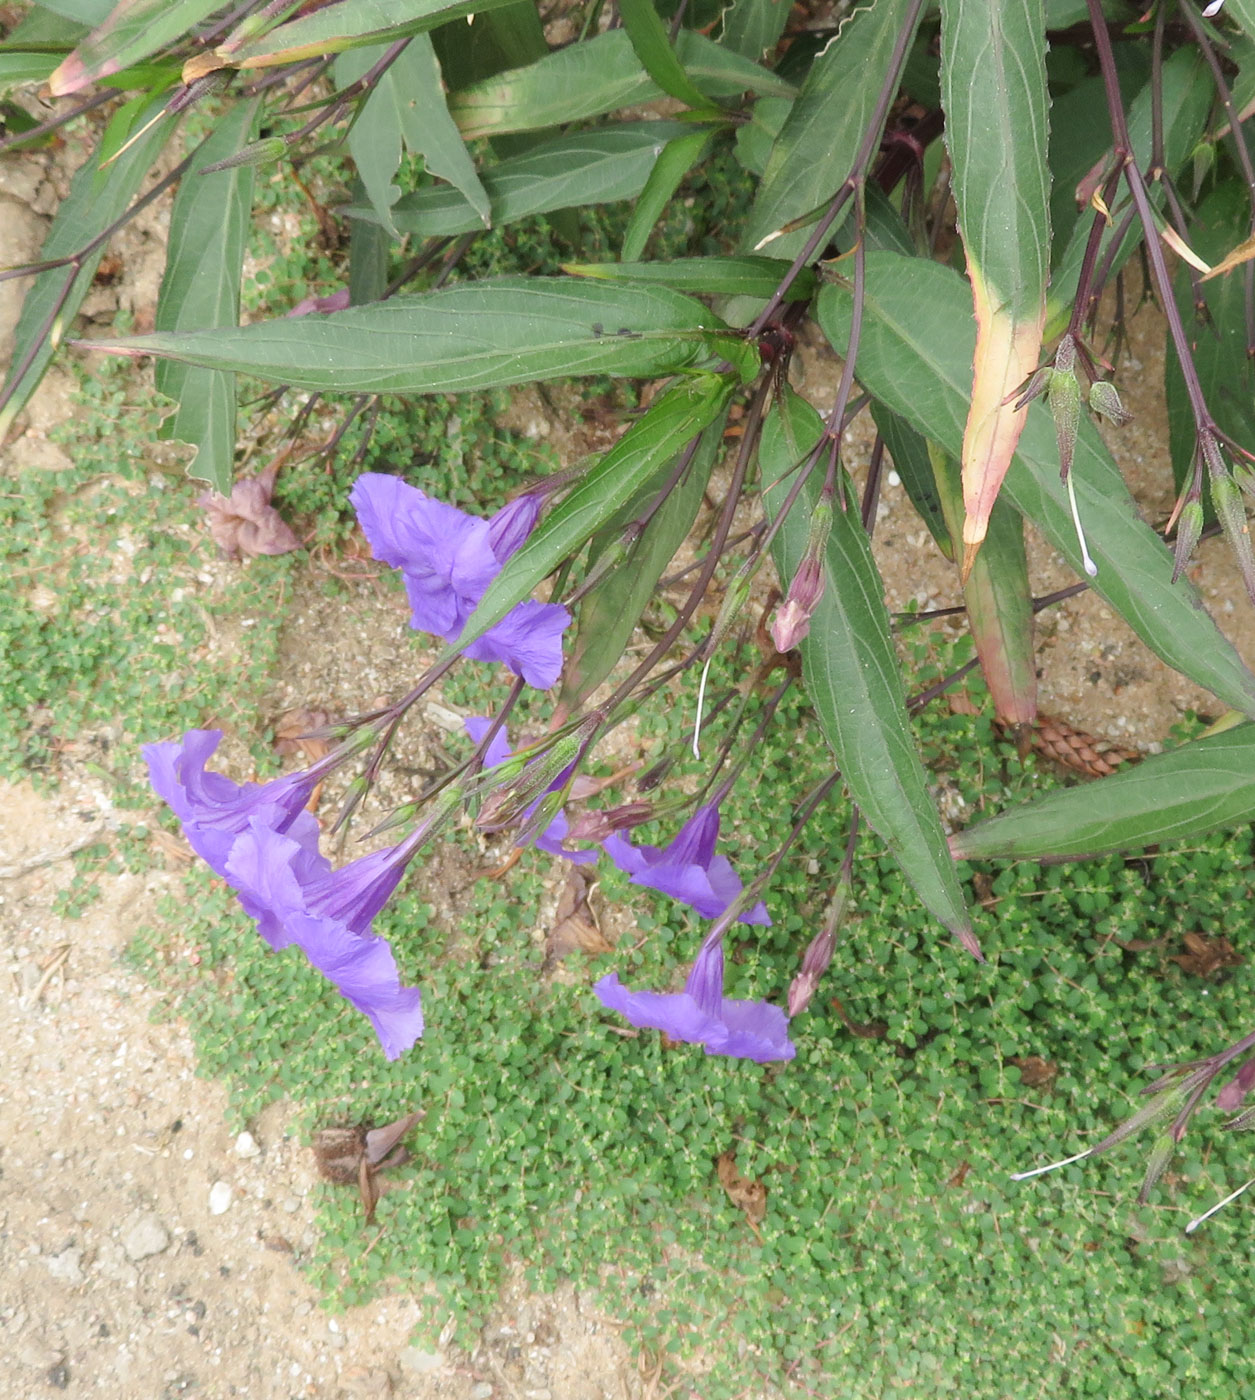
x=147, y=1236
x=67, y=1266
x=482, y=1391
x=220, y=1196
x=246, y=1146
x=420, y=1363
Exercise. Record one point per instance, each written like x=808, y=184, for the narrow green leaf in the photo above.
x=677, y=159
x=17, y=67
x=1242, y=12
x=200, y=288
x=852, y=676
x=753, y=27
x=96, y=199
x=609, y=613
x=736, y=275
x=653, y=47
x=88, y=13
x=678, y=415
x=475, y=335
x=1186, y=101
x=600, y=75
x=588, y=167
x=408, y=104
x=135, y=30
x=916, y=355
x=369, y=246
x=998, y=597
x=993, y=66
x=814, y=153
x=993, y=79
x=914, y=467
x=1203, y=786
x=350, y=24
x=1218, y=341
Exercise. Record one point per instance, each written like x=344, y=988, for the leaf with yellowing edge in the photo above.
x=993, y=62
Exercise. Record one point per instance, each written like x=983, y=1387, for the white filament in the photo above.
x=1220, y=1205
x=1054, y=1166
x=701, y=700
x=1090, y=567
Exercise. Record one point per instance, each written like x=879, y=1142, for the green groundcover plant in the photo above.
x=953, y=195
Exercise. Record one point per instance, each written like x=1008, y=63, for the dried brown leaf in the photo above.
x=291, y=729
x=1204, y=957
x=744, y=1192
x=575, y=927
x=1035, y=1072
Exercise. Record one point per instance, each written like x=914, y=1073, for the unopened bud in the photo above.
x=596, y=826
x=1036, y=387
x=256, y=153
x=793, y=618
x=1231, y=1096
x=1189, y=528
x=1230, y=510
x=1244, y=475
x=814, y=964
x=1065, y=408
x=1104, y=399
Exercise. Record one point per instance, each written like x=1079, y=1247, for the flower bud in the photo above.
x=793, y=618
x=1104, y=399
x=257, y=153
x=596, y=826
x=1189, y=528
x=814, y=964
x=1065, y=408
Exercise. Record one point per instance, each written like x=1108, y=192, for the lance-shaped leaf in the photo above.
x=1203, y=786
x=350, y=24
x=407, y=105
x=24, y=66
x=201, y=287
x=588, y=167
x=609, y=613
x=598, y=76
x=915, y=356
x=998, y=597
x=852, y=676
x=672, y=165
x=683, y=411
x=653, y=47
x=1218, y=341
x=476, y=335
x=993, y=78
x=96, y=200
x=814, y=153
x=135, y=29
x=745, y=275
x=915, y=471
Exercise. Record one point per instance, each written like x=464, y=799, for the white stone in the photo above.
x=220, y=1197
x=145, y=1237
x=67, y=1266
x=246, y=1146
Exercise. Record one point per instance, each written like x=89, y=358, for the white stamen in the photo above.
x=1213, y=9
x=1207, y=1214
x=1090, y=567
x=701, y=700
x=1054, y=1166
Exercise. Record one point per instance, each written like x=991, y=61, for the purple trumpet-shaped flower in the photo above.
x=551, y=839
x=702, y=1015
x=214, y=810
x=688, y=869
x=448, y=559
x=296, y=897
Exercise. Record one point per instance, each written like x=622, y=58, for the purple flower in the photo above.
x=702, y=1015
x=551, y=839
x=688, y=869
x=214, y=810
x=296, y=897
x=448, y=559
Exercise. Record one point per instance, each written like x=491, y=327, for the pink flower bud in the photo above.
x=596, y=826
x=793, y=618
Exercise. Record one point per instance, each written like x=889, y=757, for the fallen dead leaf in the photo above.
x=1204, y=957
x=575, y=927
x=1035, y=1073
x=245, y=523
x=745, y=1193
x=292, y=729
